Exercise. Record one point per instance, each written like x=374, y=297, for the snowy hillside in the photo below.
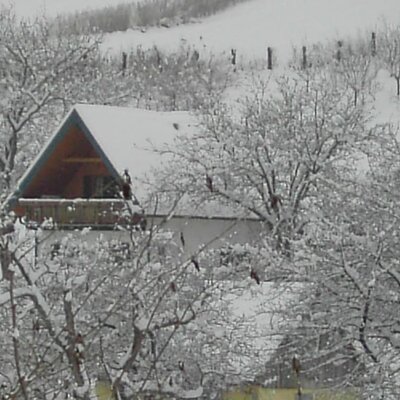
x=252, y=26
x=248, y=27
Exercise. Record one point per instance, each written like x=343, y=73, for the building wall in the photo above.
x=212, y=232
x=259, y=393
x=75, y=189
x=103, y=392
x=61, y=174
x=196, y=232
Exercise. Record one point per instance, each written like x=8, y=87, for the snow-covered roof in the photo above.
x=129, y=136
x=125, y=137
x=132, y=138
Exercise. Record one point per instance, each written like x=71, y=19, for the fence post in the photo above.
x=269, y=57
x=339, y=51
x=304, y=59
x=233, y=56
x=373, y=44
x=124, y=61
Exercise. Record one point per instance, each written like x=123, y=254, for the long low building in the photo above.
x=97, y=171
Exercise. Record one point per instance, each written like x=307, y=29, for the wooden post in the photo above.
x=36, y=249
x=233, y=56
x=304, y=59
x=339, y=51
x=373, y=44
x=159, y=58
x=269, y=57
x=296, y=369
x=124, y=62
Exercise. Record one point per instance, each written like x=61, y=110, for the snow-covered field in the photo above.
x=252, y=26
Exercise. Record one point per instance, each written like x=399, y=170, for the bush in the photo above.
x=151, y=13
x=158, y=12
x=104, y=20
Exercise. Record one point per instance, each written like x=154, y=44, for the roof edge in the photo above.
x=73, y=117
x=41, y=158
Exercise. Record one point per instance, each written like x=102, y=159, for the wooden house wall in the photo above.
x=75, y=187
x=60, y=178
x=197, y=232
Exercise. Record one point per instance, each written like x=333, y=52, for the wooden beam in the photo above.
x=82, y=160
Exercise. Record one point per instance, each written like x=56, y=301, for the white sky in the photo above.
x=29, y=8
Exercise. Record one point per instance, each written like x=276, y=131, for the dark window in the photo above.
x=100, y=187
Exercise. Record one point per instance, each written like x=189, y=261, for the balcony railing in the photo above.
x=80, y=212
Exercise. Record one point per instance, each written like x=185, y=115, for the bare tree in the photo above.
x=357, y=69
x=353, y=281
x=38, y=68
x=271, y=160
x=294, y=159
x=389, y=52
x=95, y=309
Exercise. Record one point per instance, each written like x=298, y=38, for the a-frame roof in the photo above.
x=123, y=137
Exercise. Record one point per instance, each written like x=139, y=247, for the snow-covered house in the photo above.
x=76, y=179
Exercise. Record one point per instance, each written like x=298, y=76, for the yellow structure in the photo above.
x=104, y=391
x=260, y=393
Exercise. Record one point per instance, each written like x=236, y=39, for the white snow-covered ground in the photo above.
x=252, y=26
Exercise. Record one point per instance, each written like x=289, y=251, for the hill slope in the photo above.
x=252, y=26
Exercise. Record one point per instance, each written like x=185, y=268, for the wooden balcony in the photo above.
x=74, y=213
